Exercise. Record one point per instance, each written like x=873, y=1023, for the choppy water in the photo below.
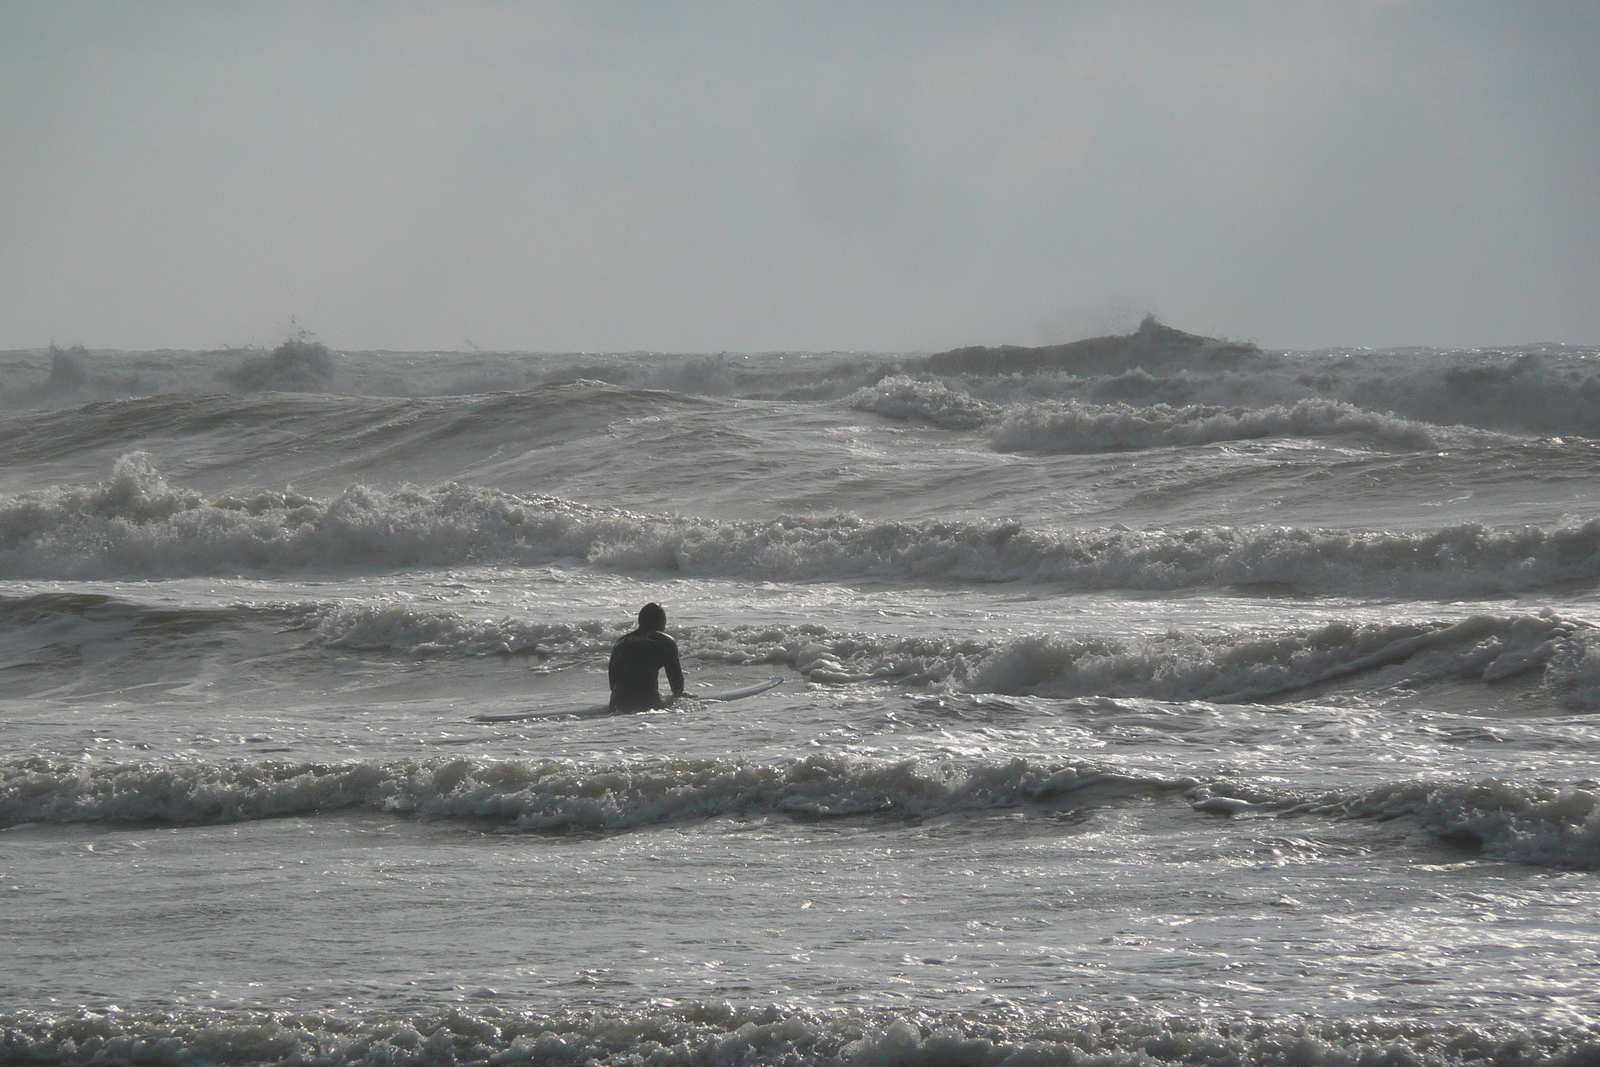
x=1196, y=710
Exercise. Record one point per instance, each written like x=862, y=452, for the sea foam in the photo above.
x=720, y=1034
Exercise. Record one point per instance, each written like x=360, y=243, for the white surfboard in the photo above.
x=587, y=711
x=738, y=694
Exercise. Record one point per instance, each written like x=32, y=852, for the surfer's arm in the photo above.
x=674, y=670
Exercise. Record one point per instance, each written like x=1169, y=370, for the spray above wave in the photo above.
x=302, y=364
x=138, y=525
x=719, y=1034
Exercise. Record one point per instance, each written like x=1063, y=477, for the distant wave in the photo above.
x=720, y=1034
x=1078, y=426
x=138, y=525
x=1524, y=823
x=301, y=364
x=1538, y=390
x=363, y=428
x=1074, y=426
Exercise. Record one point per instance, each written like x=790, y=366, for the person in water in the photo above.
x=638, y=657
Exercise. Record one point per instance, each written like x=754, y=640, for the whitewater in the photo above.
x=1150, y=699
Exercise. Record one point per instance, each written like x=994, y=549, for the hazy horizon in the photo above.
x=782, y=177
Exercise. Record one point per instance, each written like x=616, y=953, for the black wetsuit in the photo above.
x=635, y=660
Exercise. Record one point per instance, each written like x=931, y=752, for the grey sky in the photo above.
x=760, y=176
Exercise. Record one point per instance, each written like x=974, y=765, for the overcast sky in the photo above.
x=759, y=176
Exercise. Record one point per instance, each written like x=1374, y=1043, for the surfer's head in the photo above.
x=652, y=617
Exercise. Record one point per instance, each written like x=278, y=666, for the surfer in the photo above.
x=638, y=657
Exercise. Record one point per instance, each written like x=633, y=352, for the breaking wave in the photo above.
x=138, y=525
x=1535, y=824
x=1517, y=822
x=553, y=796
x=934, y=403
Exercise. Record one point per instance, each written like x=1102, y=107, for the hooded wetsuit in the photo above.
x=635, y=660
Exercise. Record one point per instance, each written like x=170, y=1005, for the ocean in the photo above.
x=1153, y=700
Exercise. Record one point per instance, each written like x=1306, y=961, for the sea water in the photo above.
x=1208, y=712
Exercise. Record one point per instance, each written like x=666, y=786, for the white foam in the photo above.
x=901, y=397
x=719, y=1034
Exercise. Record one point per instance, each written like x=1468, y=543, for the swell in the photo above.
x=288, y=436
x=719, y=1034
x=1531, y=823
x=138, y=525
